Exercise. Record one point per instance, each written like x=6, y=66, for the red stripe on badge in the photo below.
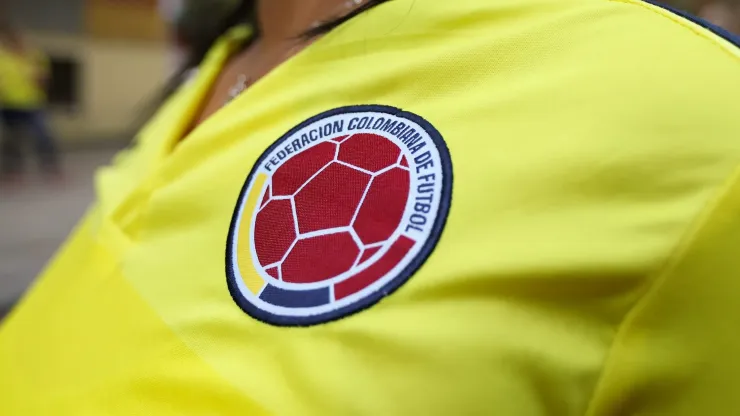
x=380, y=268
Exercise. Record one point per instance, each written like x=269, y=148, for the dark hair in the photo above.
x=199, y=42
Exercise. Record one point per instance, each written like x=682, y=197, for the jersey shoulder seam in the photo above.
x=656, y=280
x=725, y=45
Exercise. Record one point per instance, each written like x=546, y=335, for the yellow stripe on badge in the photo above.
x=249, y=274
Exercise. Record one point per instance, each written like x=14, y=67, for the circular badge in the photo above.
x=337, y=214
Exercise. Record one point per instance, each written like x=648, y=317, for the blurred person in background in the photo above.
x=723, y=13
x=24, y=70
x=284, y=237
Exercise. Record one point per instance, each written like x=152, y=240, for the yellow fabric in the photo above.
x=588, y=265
x=19, y=79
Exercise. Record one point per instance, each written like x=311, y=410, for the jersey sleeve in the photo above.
x=676, y=351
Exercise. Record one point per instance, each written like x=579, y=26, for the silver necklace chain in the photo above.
x=243, y=81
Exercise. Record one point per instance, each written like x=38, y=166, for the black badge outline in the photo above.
x=386, y=290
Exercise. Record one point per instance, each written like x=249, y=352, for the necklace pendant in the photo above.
x=237, y=89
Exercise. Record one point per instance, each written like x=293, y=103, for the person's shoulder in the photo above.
x=641, y=69
x=645, y=31
x=674, y=74
x=670, y=33
x=633, y=37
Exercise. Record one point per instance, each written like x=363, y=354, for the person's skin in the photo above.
x=281, y=24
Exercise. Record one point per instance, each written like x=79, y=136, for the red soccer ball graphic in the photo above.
x=329, y=209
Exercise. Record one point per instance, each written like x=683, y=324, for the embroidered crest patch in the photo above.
x=337, y=214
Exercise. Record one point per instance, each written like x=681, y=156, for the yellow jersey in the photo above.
x=20, y=75
x=440, y=208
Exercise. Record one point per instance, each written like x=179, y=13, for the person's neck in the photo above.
x=282, y=20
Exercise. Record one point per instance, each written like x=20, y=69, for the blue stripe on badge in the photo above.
x=295, y=298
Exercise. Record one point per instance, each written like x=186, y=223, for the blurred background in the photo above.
x=103, y=59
